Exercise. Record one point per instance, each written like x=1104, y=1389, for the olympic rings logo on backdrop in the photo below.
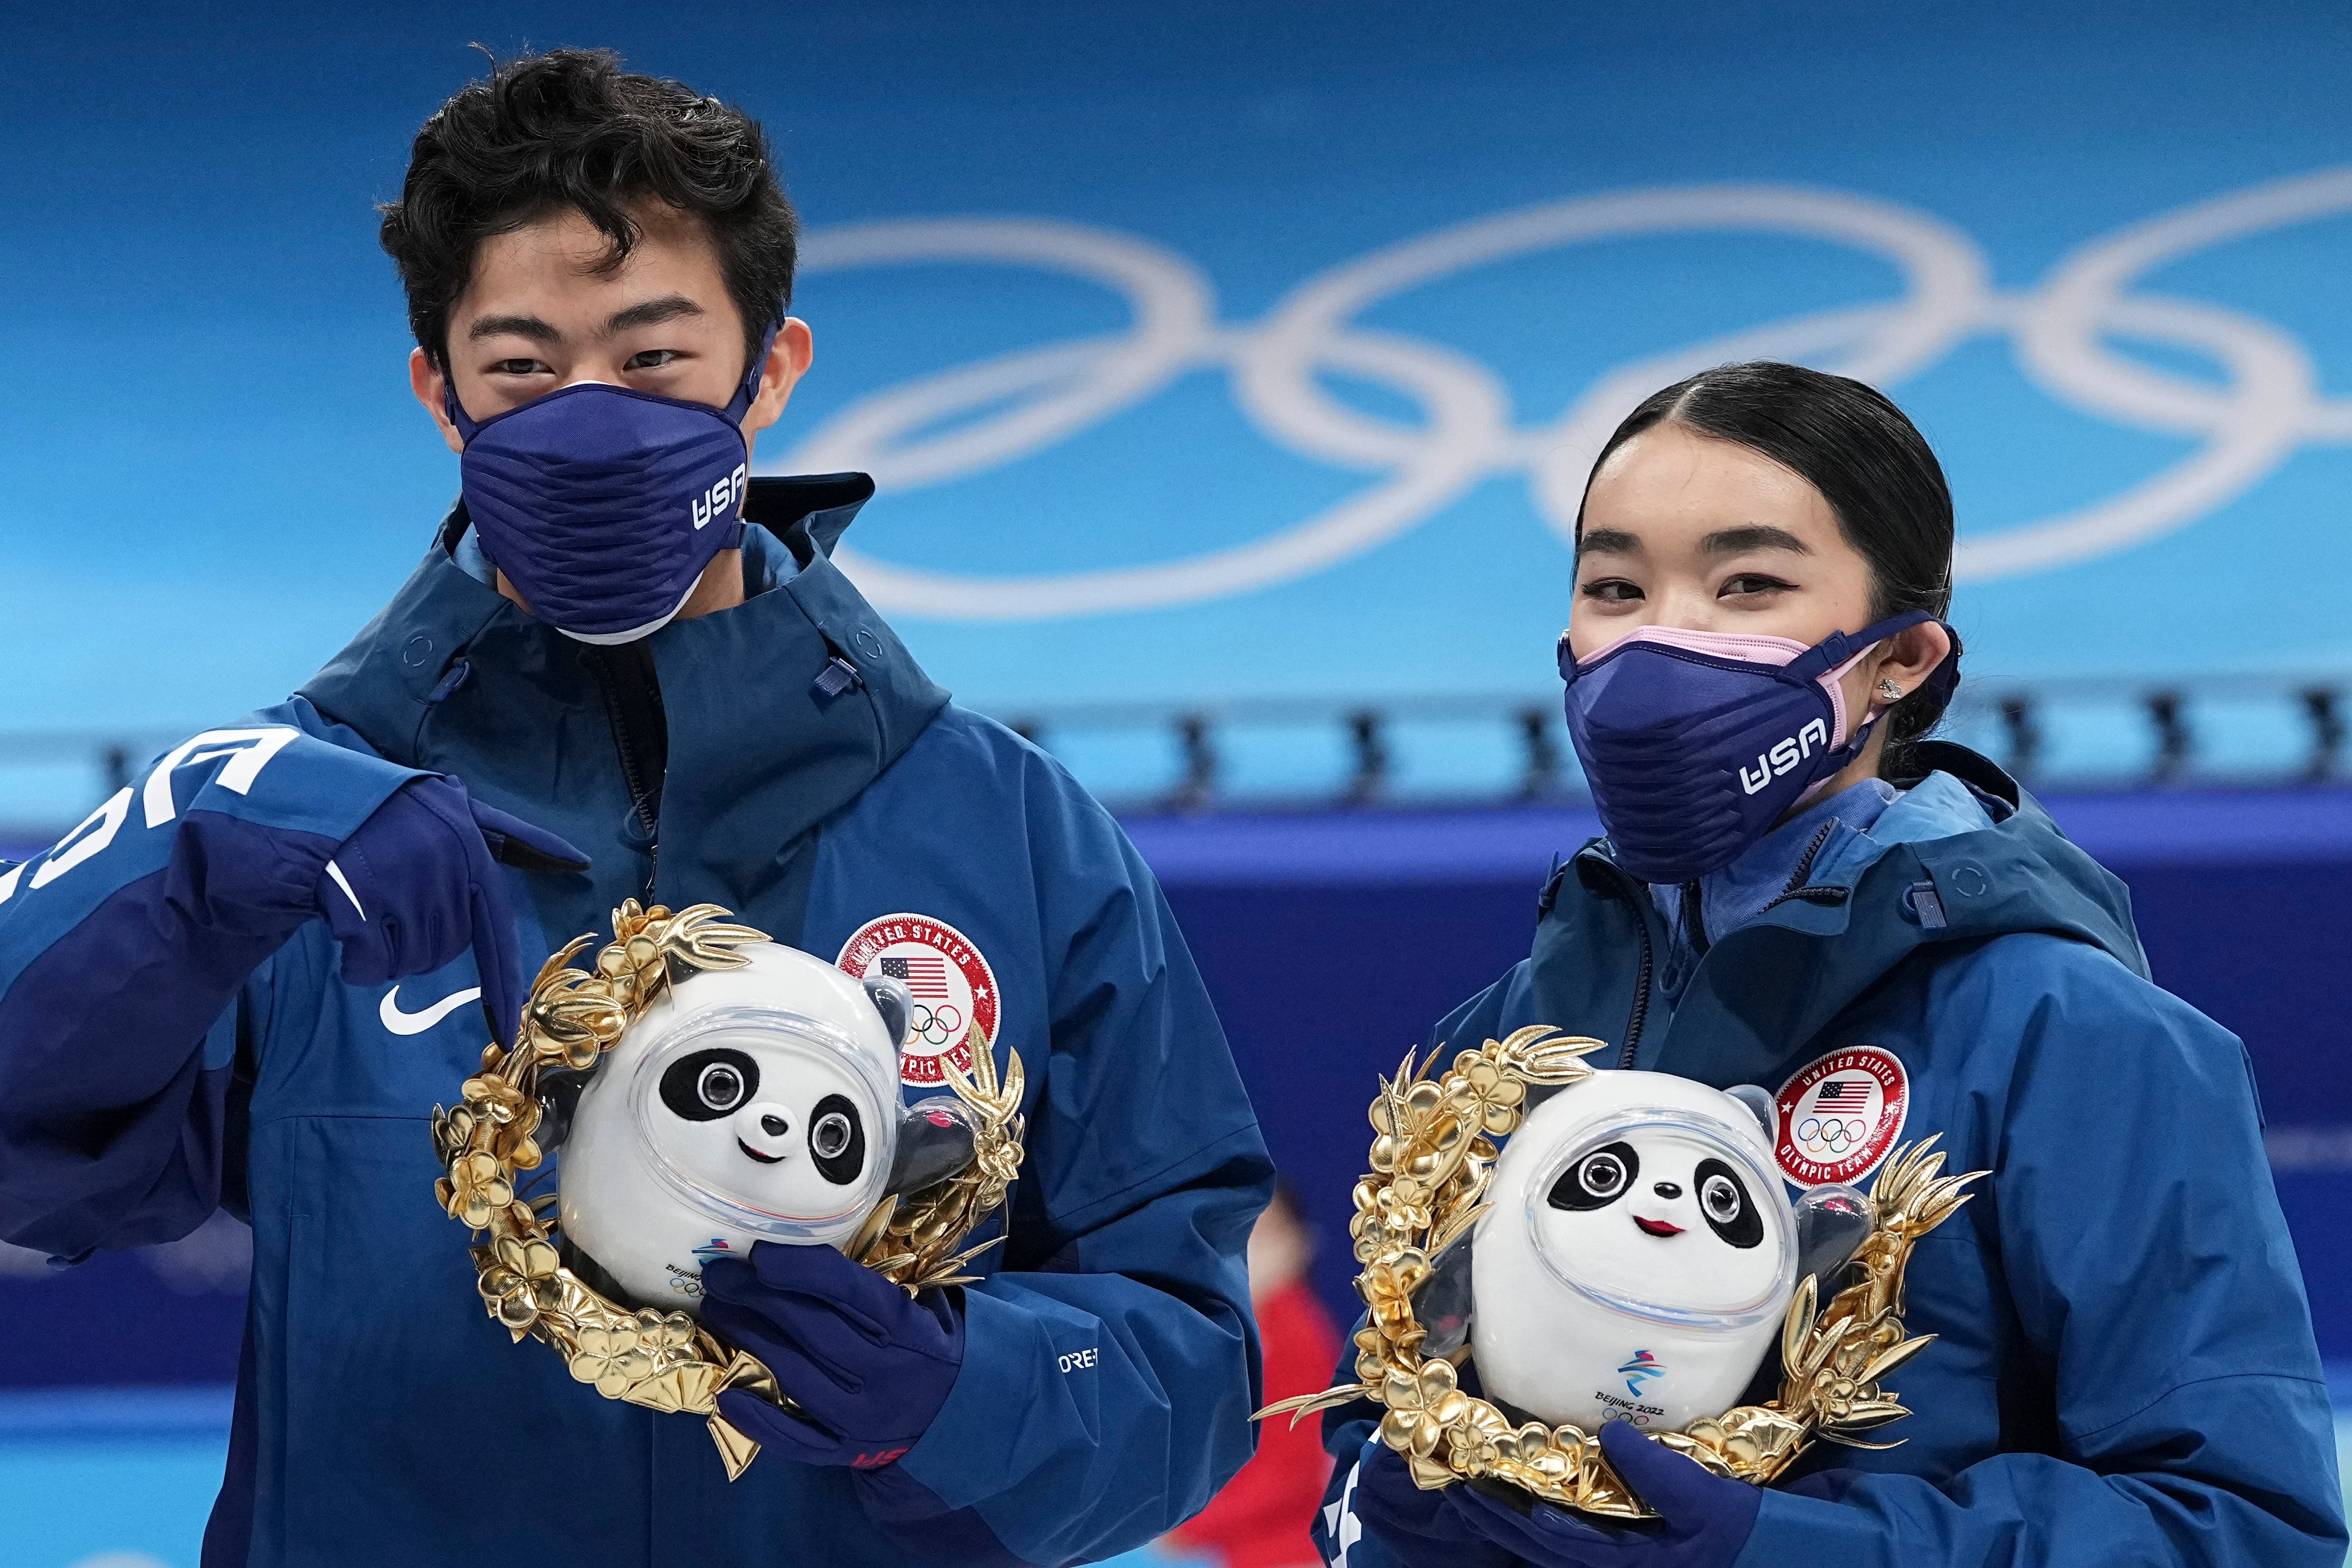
x=1033, y=398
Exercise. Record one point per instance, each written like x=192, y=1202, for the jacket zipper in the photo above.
x=1797, y=891
x=633, y=704
x=1799, y=888
x=1641, y=975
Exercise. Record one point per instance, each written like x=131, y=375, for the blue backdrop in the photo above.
x=1224, y=348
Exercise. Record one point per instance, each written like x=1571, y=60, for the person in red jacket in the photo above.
x=1260, y=1520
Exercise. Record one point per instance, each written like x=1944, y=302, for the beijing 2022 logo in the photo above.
x=974, y=417
x=1640, y=1370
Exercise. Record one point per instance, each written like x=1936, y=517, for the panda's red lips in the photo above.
x=763, y=1159
x=1656, y=1227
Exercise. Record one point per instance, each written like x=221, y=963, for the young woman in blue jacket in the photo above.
x=1797, y=891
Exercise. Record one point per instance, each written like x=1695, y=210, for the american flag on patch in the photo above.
x=1843, y=1094
x=925, y=978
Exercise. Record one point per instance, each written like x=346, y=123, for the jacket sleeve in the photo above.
x=1110, y=1370
x=2183, y=1416
x=123, y=952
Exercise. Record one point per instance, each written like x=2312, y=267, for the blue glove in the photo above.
x=868, y=1364
x=418, y=884
x=1381, y=1517
x=1703, y=1520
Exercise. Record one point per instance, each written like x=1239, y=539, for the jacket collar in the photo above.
x=1770, y=989
x=453, y=678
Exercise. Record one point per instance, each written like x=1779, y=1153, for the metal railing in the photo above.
x=2259, y=731
x=2266, y=731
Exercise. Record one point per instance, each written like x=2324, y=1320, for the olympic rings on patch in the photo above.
x=1817, y=1135
x=935, y=1026
x=2269, y=405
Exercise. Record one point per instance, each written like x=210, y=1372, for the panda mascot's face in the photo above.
x=1638, y=1258
x=780, y=1131
x=752, y=1104
x=1658, y=1214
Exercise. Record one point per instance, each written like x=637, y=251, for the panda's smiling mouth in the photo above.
x=1657, y=1226
x=763, y=1159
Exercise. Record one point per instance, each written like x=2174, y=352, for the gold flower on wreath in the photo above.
x=623, y=1352
x=667, y=1362
x=1433, y=1151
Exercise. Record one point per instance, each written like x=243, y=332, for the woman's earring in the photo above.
x=1890, y=691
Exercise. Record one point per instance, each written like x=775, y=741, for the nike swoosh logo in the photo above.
x=418, y=1023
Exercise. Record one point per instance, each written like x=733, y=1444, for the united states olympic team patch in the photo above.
x=953, y=987
x=1840, y=1114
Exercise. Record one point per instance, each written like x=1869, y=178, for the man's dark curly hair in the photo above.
x=571, y=128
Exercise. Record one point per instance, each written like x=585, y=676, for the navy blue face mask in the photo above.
x=1696, y=743
x=602, y=506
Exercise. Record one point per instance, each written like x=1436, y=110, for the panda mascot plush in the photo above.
x=1638, y=1256
x=758, y=1103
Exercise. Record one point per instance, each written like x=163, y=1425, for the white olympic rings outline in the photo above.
x=1031, y=398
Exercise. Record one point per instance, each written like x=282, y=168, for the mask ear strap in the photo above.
x=467, y=425
x=1838, y=648
x=740, y=404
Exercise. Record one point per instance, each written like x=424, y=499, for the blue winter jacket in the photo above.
x=2125, y=1371
x=1110, y=1361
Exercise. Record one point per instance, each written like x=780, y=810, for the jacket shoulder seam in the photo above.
x=2198, y=1382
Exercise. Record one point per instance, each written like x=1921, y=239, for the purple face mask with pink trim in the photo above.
x=1696, y=743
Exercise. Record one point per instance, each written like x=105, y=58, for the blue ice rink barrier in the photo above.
x=124, y=1478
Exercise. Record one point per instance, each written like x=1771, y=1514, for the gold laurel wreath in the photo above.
x=1430, y=1162
x=666, y=1360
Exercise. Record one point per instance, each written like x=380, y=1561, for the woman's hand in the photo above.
x=1386, y=1522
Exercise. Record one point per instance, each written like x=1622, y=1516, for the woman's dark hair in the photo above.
x=1868, y=461
x=571, y=128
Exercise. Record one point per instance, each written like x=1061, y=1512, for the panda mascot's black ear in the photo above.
x=1832, y=1222
x=558, y=1098
x=1442, y=1302
x=1760, y=1102
x=894, y=1002
x=935, y=1141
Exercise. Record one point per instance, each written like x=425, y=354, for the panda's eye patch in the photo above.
x=1723, y=1199
x=837, y=1140
x=1597, y=1180
x=705, y=1085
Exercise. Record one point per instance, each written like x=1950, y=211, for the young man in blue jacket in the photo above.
x=625, y=669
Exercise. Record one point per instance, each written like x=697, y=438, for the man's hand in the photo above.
x=868, y=1366
x=1703, y=1520
x=418, y=884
